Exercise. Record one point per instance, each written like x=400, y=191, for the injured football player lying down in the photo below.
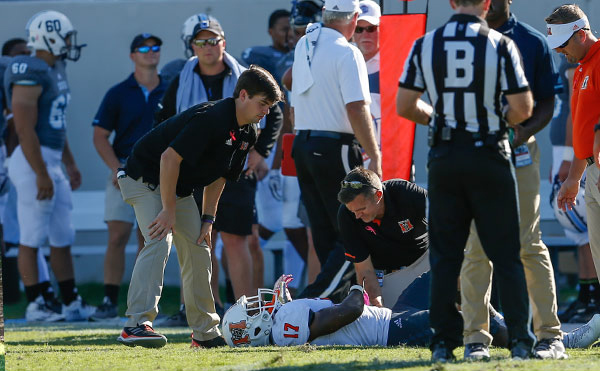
x=272, y=318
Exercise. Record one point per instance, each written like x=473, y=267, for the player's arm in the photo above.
x=169, y=174
x=520, y=107
x=362, y=125
x=540, y=117
x=568, y=154
x=410, y=106
x=568, y=190
x=106, y=151
x=210, y=201
x=25, y=111
x=71, y=166
x=331, y=319
x=365, y=271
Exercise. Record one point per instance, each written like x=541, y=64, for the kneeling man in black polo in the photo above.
x=384, y=230
x=201, y=147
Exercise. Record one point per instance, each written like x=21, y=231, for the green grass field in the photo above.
x=91, y=347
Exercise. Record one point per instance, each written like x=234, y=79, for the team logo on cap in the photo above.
x=364, y=9
x=575, y=27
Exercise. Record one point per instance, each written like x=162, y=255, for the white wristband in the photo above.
x=357, y=287
x=568, y=154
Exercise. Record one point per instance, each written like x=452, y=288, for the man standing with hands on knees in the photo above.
x=201, y=147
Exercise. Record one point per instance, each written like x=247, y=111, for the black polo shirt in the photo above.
x=208, y=138
x=399, y=238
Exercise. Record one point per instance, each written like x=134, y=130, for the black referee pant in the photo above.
x=323, y=158
x=467, y=182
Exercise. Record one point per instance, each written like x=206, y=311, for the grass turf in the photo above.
x=91, y=347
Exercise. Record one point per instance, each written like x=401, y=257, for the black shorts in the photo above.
x=236, y=212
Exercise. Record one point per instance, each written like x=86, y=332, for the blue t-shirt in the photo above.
x=537, y=60
x=51, y=121
x=562, y=107
x=129, y=111
x=264, y=56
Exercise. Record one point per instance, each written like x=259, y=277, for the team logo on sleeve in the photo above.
x=585, y=83
x=239, y=334
x=244, y=146
x=405, y=225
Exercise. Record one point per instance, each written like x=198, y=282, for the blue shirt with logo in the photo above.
x=128, y=110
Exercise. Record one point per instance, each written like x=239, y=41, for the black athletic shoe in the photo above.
x=212, y=343
x=142, y=335
x=441, y=353
x=520, y=351
x=576, y=307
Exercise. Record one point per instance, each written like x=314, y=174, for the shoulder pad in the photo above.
x=26, y=68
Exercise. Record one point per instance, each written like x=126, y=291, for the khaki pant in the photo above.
x=395, y=283
x=476, y=272
x=592, y=207
x=147, y=278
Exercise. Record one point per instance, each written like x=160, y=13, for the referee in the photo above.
x=466, y=68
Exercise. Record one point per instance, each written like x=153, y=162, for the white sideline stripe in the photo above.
x=335, y=281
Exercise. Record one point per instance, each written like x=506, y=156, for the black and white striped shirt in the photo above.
x=465, y=67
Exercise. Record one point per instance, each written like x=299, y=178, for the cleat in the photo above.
x=550, y=349
x=520, y=351
x=142, y=335
x=78, y=310
x=477, y=352
x=441, y=354
x=584, y=336
x=38, y=311
x=219, y=341
x=179, y=319
x=107, y=311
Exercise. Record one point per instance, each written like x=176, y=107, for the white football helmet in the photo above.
x=249, y=321
x=52, y=31
x=187, y=31
x=575, y=219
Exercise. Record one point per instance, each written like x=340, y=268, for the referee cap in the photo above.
x=559, y=33
x=346, y=6
x=369, y=12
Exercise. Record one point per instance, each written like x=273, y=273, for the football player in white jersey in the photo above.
x=38, y=93
x=272, y=318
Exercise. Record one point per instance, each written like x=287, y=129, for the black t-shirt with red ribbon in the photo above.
x=208, y=138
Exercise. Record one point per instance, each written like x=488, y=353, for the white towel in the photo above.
x=304, y=79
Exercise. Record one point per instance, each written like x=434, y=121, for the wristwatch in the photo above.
x=357, y=287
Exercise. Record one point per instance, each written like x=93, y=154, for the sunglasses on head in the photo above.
x=355, y=184
x=369, y=29
x=202, y=42
x=145, y=49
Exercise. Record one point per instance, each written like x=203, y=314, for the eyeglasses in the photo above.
x=564, y=45
x=355, y=184
x=369, y=29
x=202, y=42
x=145, y=49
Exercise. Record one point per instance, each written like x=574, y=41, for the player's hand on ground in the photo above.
x=45, y=187
x=276, y=184
x=162, y=225
x=74, y=176
x=205, y=234
x=567, y=194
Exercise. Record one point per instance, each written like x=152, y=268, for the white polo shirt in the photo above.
x=340, y=77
